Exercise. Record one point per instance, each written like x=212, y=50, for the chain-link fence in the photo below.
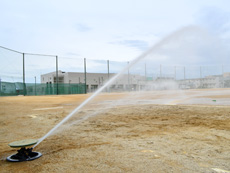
x=17, y=88
x=37, y=74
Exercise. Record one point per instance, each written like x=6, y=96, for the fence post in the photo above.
x=24, y=84
x=128, y=79
x=160, y=72
x=85, y=75
x=184, y=73
x=108, y=68
x=175, y=73
x=57, y=74
x=108, y=73
x=0, y=86
x=200, y=77
x=35, y=86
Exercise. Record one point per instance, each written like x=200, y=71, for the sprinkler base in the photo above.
x=24, y=155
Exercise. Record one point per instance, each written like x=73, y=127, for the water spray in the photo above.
x=132, y=63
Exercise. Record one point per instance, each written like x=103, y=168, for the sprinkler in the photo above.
x=24, y=154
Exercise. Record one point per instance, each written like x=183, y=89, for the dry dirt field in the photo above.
x=160, y=131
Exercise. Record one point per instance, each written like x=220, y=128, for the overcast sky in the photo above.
x=104, y=29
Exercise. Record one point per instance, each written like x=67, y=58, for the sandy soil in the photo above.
x=162, y=131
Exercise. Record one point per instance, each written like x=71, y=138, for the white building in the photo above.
x=211, y=81
x=133, y=82
x=95, y=80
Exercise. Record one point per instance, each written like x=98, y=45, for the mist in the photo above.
x=144, y=83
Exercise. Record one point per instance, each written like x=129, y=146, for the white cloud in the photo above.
x=214, y=19
x=86, y=29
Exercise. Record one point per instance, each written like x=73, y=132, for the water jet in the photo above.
x=152, y=51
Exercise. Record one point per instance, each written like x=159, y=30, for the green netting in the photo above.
x=13, y=89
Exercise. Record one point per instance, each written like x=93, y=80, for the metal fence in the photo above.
x=18, y=88
x=20, y=73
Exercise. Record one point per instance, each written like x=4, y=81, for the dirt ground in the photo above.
x=160, y=131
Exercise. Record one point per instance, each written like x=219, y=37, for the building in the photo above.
x=95, y=80
x=134, y=82
x=211, y=81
